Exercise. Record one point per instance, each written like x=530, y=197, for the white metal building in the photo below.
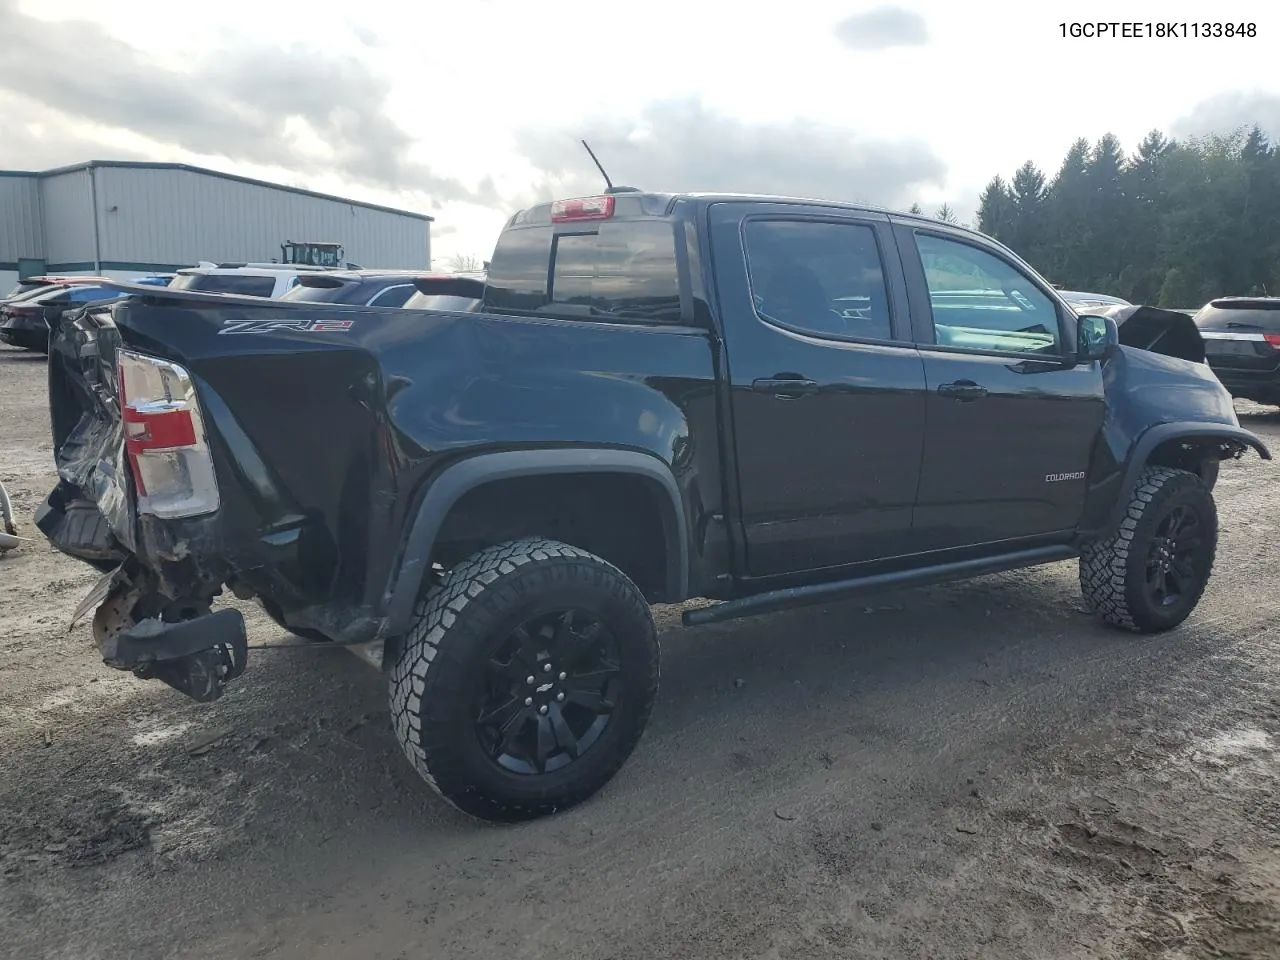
x=124, y=219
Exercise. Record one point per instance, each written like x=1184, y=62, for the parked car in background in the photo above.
x=363, y=288
x=1242, y=345
x=268, y=280
x=160, y=280
x=25, y=322
x=391, y=288
x=29, y=286
x=456, y=293
x=20, y=293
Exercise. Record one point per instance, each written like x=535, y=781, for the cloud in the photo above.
x=36, y=140
x=1231, y=111
x=683, y=145
x=244, y=103
x=882, y=29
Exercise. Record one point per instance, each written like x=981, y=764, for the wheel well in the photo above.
x=1199, y=455
x=622, y=518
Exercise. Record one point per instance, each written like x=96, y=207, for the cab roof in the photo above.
x=641, y=203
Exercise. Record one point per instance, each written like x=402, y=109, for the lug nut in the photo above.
x=530, y=680
x=560, y=697
x=564, y=676
x=542, y=709
x=528, y=701
x=546, y=668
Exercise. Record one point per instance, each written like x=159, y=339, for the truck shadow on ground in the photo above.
x=301, y=751
x=21, y=357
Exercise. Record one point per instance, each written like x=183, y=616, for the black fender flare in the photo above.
x=1162, y=433
x=460, y=478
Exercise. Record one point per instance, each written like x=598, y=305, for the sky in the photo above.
x=471, y=110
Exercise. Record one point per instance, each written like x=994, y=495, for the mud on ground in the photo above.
x=976, y=770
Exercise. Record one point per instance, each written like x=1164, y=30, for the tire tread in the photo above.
x=1105, y=571
x=436, y=643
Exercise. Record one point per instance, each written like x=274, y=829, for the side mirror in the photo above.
x=1096, y=337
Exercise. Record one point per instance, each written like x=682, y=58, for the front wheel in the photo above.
x=1150, y=573
x=526, y=681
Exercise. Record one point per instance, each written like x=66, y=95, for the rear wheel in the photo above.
x=1151, y=572
x=526, y=681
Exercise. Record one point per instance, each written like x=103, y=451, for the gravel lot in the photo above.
x=977, y=770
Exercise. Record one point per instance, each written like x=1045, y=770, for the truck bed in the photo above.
x=326, y=421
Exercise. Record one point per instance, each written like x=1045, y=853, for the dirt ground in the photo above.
x=971, y=771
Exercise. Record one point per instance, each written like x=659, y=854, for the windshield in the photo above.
x=245, y=284
x=30, y=293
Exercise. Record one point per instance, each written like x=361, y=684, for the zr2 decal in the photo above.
x=285, y=326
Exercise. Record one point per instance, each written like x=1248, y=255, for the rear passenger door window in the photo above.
x=819, y=277
x=981, y=302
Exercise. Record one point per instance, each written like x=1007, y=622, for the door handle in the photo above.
x=963, y=390
x=786, y=388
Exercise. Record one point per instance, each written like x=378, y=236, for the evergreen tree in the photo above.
x=946, y=214
x=1107, y=212
x=1140, y=278
x=1259, y=241
x=1028, y=194
x=1067, y=232
x=1175, y=224
x=996, y=211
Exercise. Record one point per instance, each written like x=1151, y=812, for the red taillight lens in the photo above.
x=1273, y=339
x=157, y=426
x=583, y=208
x=164, y=437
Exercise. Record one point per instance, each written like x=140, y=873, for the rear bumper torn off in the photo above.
x=197, y=657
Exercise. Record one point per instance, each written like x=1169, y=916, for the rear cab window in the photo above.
x=624, y=269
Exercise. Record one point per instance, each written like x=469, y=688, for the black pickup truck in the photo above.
x=759, y=401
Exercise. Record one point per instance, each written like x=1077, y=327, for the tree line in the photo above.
x=1175, y=224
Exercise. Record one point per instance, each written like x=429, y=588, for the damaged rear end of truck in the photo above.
x=171, y=486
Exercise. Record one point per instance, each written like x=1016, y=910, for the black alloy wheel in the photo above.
x=1176, y=557
x=549, y=693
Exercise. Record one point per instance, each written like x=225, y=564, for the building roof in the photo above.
x=204, y=171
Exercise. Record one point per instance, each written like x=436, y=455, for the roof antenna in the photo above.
x=610, y=188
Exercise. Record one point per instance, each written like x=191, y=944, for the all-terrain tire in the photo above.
x=1114, y=570
x=461, y=622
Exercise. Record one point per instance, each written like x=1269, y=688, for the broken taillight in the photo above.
x=164, y=437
